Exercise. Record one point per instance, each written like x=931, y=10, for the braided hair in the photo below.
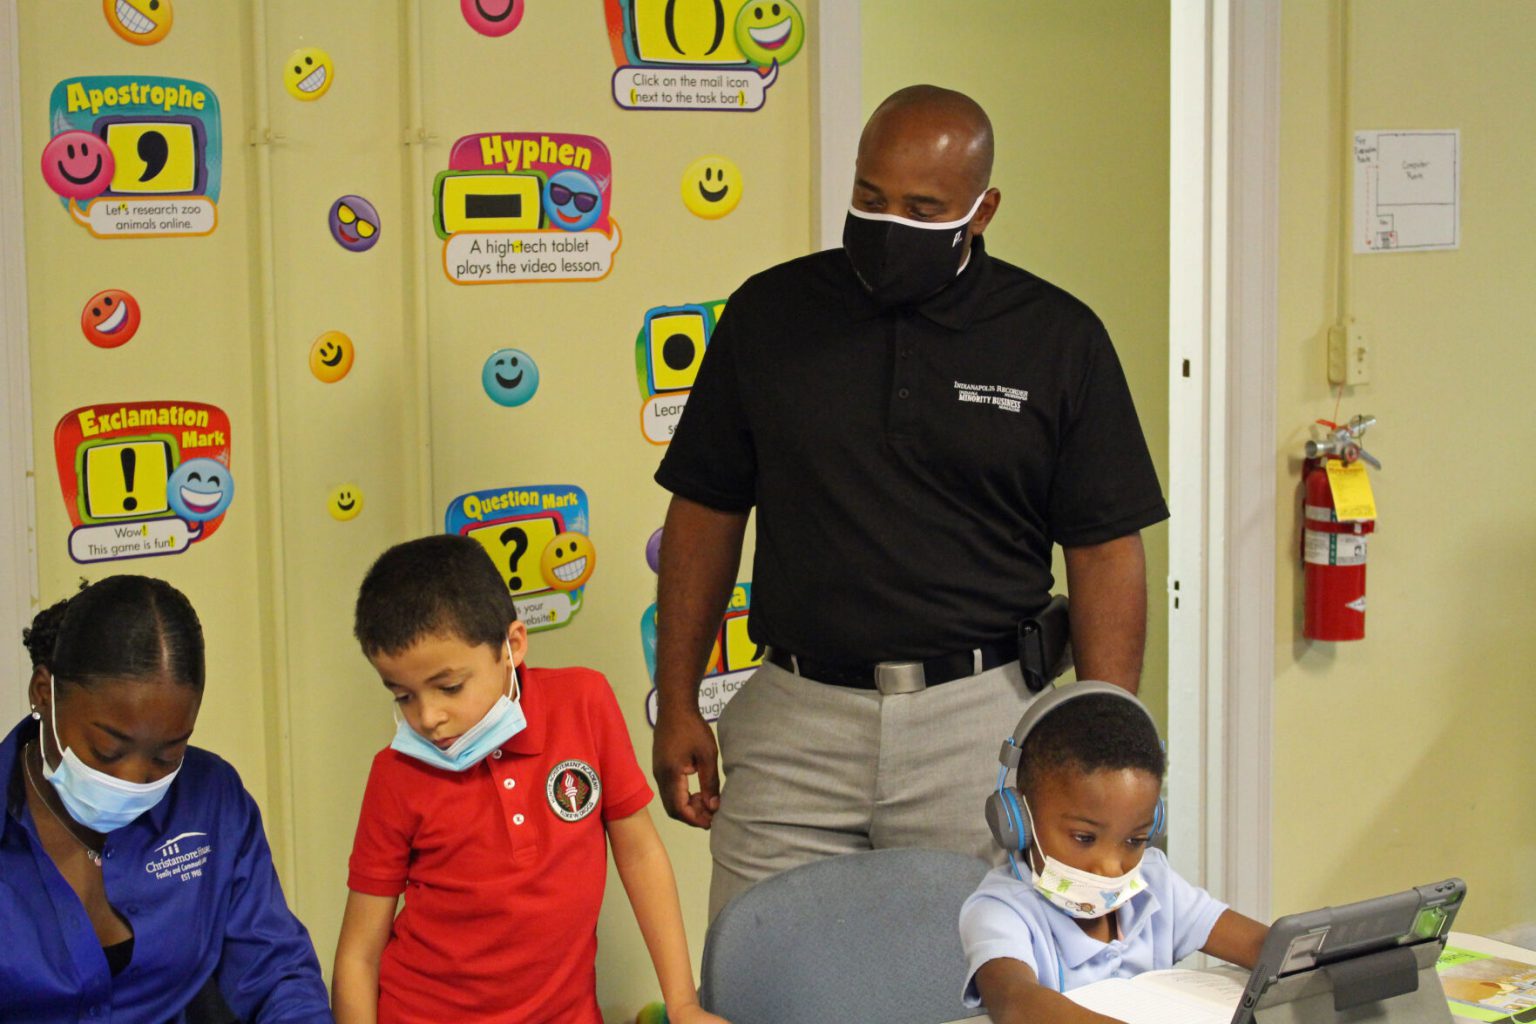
x=120, y=627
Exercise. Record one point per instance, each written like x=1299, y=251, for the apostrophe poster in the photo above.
x=723, y=55
x=537, y=536
x=135, y=156
x=526, y=206
x=141, y=479
x=731, y=663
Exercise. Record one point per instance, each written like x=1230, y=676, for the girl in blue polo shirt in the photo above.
x=135, y=880
x=1086, y=899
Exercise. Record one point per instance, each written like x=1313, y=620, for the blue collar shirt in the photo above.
x=193, y=878
x=1007, y=918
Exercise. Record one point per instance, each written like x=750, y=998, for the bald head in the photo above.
x=926, y=123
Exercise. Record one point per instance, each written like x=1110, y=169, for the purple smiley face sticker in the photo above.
x=354, y=223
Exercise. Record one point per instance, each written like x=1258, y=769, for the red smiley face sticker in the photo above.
x=110, y=318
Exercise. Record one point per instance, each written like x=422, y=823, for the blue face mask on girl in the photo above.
x=100, y=802
x=502, y=722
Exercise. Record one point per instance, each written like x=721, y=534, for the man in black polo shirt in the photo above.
x=916, y=423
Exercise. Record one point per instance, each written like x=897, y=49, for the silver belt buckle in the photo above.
x=895, y=677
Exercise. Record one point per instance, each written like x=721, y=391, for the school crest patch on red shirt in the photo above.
x=573, y=789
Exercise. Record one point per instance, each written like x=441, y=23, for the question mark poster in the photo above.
x=538, y=538
x=526, y=206
x=731, y=663
x=668, y=351
x=142, y=479
x=723, y=55
x=135, y=156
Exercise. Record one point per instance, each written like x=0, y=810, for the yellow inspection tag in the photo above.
x=1351, y=487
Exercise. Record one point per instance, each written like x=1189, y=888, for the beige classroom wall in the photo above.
x=290, y=701
x=1405, y=757
x=196, y=342
x=1078, y=96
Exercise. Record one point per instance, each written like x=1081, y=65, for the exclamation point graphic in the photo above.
x=130, y=460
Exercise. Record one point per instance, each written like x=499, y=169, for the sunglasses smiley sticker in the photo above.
x=354, y=223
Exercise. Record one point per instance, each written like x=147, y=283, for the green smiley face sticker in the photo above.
x=770, y=31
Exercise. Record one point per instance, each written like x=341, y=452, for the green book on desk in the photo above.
x=1485, y=987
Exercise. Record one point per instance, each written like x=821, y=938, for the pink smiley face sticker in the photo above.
x=77, y=165
x=492, y=17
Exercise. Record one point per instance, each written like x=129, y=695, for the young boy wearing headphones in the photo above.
x=1083, y=897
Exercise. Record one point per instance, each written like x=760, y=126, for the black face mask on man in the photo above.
x=901, y=261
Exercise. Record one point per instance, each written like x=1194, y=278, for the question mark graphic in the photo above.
x=514, y=536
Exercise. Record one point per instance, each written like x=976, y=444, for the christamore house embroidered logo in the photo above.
x=181, y=857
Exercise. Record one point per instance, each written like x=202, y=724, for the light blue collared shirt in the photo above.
x=1160, y=926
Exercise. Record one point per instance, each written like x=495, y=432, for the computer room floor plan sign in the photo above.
x=1407, y=190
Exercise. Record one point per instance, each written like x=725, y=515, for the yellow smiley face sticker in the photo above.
x=141, y=22
x=711, y=187
x=568, y=561
x=308, y=73
x=330, y=357
x=345, y=502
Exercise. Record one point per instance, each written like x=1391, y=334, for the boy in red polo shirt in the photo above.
x=489, y=813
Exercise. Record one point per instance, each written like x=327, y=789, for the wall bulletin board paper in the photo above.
x=537, y=536
x=526, y=206
x=141, y=479
x=166, y=145
x=732, y=661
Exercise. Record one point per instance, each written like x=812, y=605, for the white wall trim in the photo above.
x=1249, y=582
x=18, y=514
x=836, y=110
x=1223, y=249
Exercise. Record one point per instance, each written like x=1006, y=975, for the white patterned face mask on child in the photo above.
x=1081, y=894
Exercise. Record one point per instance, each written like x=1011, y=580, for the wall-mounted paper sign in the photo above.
x=143, y=478
x=731, y=663
x=135, y=156
x=668, y=352
x=526, y=206
x=700, y=56
x=1407, y=191
x=538, y=538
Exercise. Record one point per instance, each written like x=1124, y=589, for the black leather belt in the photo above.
x=892, y=677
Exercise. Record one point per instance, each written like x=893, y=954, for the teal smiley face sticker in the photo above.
x=770, y=31
x=510, y=377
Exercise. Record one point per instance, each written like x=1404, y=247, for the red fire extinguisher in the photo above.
x=1333, y=551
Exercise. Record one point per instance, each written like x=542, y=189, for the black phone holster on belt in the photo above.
x=1045, y=644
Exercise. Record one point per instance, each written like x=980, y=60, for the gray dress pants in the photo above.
x=814, y=770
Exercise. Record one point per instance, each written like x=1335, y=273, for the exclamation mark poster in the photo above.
x=141, y=479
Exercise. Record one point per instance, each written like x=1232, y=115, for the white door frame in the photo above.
x=1223, y=276
x=18, y=522
x=1223, y=247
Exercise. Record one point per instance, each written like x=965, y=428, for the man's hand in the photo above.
x=700, y=550
x=684, y=745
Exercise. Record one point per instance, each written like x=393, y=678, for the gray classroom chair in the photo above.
x=862, y=937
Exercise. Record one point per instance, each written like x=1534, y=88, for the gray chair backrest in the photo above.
x=862, y=937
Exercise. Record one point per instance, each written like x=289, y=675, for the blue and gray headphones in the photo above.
x=1006, y=818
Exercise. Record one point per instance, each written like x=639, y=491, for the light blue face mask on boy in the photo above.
x=100, y=802
x=502, y=722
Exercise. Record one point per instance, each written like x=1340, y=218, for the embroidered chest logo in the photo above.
x=573, y=789
x=180, y=857
x=1009, y=399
